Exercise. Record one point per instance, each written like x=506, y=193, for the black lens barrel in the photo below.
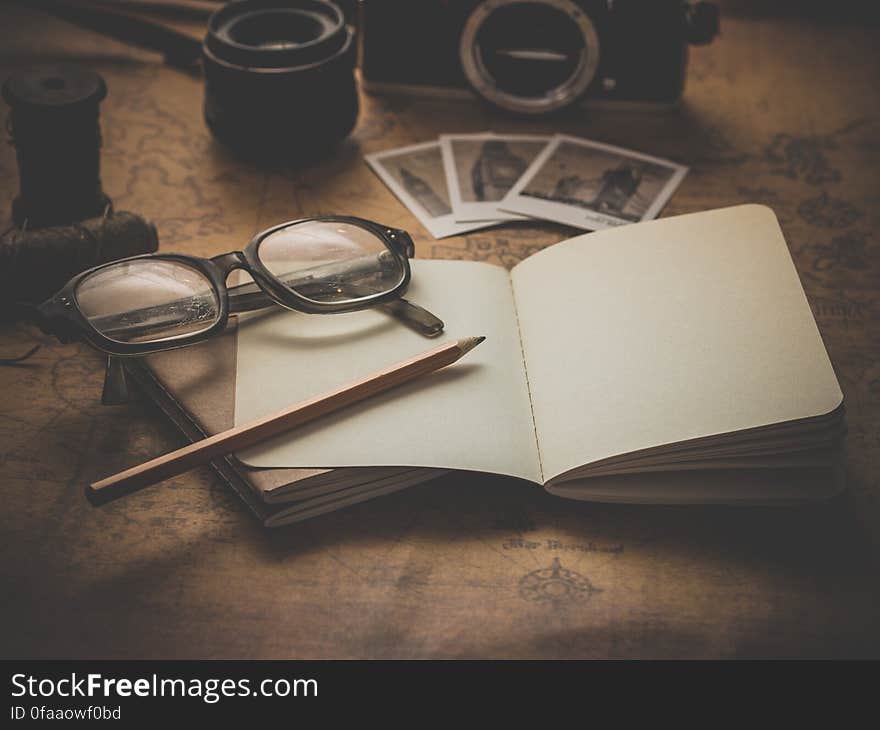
x=279, y=77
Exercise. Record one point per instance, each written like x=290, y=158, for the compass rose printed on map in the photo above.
x=556, y=586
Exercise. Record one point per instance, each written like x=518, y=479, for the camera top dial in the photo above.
x=529, y=56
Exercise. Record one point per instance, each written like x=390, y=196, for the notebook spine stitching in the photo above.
x=522, y=353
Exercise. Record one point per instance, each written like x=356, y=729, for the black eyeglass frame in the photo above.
x=61, y=317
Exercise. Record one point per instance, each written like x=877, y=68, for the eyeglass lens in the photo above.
x=148, y=300
x=331, y=262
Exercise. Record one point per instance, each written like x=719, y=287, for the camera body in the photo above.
x=534, y=56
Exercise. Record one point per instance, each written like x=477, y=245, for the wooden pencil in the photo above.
x=250, y=434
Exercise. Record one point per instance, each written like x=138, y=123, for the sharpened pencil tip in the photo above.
x=469, y=343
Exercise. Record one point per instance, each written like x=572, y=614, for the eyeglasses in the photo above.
x=157, y=302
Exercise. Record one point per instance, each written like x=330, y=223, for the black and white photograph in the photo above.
x=593, y=186
x=415, y=175
x=482, y=168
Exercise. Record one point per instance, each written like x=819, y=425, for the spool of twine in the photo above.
x=53, y=125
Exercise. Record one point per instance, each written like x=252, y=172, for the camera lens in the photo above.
x=529, y=56
x=279, y=77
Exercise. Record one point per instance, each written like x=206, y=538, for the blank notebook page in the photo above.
x=666, y=331
x=472, y=415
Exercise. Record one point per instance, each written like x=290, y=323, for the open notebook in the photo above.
x=670, y=361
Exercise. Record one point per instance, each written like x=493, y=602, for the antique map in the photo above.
x=459, y=567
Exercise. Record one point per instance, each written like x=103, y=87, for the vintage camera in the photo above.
x=534, y=56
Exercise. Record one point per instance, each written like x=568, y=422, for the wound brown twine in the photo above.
x=36, y=264
x=53, y=125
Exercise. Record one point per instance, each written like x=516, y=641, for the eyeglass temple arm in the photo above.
x=412, y=315
x=249, y=297
x=115, y=392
